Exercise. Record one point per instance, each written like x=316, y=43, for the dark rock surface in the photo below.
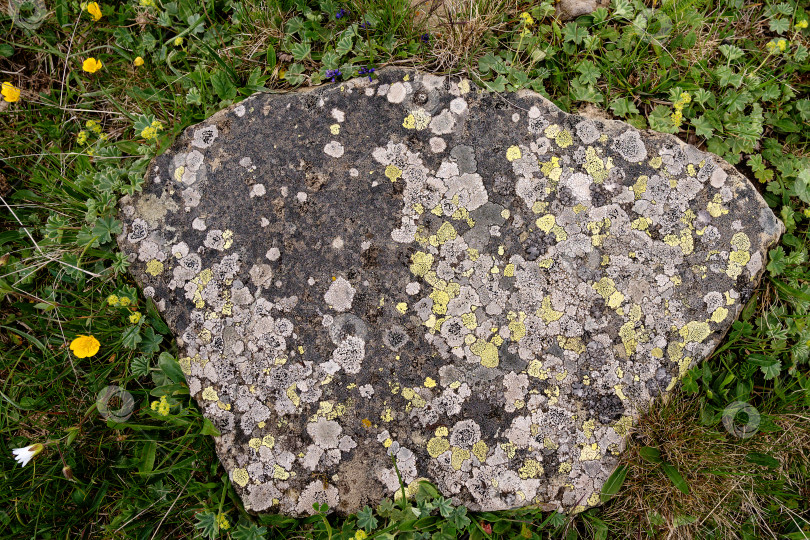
x=482, y=286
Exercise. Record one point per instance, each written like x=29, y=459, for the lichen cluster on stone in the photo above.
x=483, y=287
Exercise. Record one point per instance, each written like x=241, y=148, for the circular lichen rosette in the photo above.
x=481, y=286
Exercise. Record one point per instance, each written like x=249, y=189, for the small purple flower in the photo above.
x=425, y=38
x=366, y=71
x=365, y=25
x=341, y=13
x=333, y=74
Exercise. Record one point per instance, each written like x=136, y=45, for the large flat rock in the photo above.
x=482, y=286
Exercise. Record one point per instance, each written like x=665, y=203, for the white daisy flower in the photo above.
x=24, y=455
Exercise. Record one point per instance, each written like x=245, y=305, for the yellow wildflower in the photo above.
x=526, y=19
x=222, y=522
x=782, y=44
x=685, y=97
x=163, y=407
x=93, y=126
x=149, y=133
x=138, y=61
x=112, y=299
x=124, y=301
x=94, y=10
x=135, y=317
x=360, y=534
x=770, y=46
x=81, y=138
x=148, y=3
x=91, y=65
x=801, y=25
x=157, y=125
x=10, y=92
x=178, y=41
x=84, y=346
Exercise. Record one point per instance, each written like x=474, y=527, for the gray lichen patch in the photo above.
x=481, y=286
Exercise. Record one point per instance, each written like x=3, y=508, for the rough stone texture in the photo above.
x=483, y=286
x=571, y=9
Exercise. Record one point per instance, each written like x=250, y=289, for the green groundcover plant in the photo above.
x=92, y=91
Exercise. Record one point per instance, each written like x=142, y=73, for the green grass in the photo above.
x=156, y=476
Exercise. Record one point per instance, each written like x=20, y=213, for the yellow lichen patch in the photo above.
x=458, y=456
x=255, y=443
x=240, y=477
x=551, y=169
x=178, y=173
x=564, y=139
x=695, y=332
x=513, y=153
x=185, y=365
x=437, y=446
x=269, y=441
x=590, y=452
x=629, y=337
x=740, y=242
x=640, y=186
x=417, y=120
x=618, y=388
x=421, y=263
x=546, y=223
x=392, y=172
x=487, y=352
x=536, y=370
x=227, y=237
x=387, y=415
x=623, y=425
x=440, y=300
x=565, y=467
x=154, y=267
x=548, y=313
x=209, y=394
x=366, y=423
x=334, y=129
x=293, y=396
x=402, y=307
x=429, y=383
x=480, y=450
x=740, y=258
x=594, y=499
x=715, y=207
x=587, y=427
x=509, y=270
x=719, y=315
x=531, y=469
x=595, y=166
x=446, y=232
x=279, y=473
x=517, y=330
x=464, y=87
x=641, y=224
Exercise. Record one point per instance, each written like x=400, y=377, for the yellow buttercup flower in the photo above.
x=84, y=346
x=138, y=61
x=178, y=41
x=91, y=65
x=10, y=92
x=94, y=10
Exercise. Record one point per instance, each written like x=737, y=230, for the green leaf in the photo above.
x=223, y=86
x=731, y=52
x=703, y=128
x=779, y=25
x=344, y=45
x=758, y=458
x=171, y=368
x=653, y=455
x=623, y=106
x=207, y=524
x=614, y=482
x=300, y=51
x=445, y=507
x=131, y=337
x=802, y=185
x=459, y=518
x=252, y=532
x=151, y=341
x=622, y=9
x=270, y=58
x=148, y=451
x=209, y=428
x=589, y=73
x=105, y=227
x=139, y=366
x=777, y=263
x=676, y=478
x=366, y=519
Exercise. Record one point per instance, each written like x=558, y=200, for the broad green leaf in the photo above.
x=676, y=478
x=653, y=455
x=614, y=482
x=623, y=106
x=223, y=86
x=300, y=51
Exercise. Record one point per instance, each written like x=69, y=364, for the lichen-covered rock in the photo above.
x=571, y=9
x=479, y=285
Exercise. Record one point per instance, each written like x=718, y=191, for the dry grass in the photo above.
x=458, y=27
x=726, y=490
